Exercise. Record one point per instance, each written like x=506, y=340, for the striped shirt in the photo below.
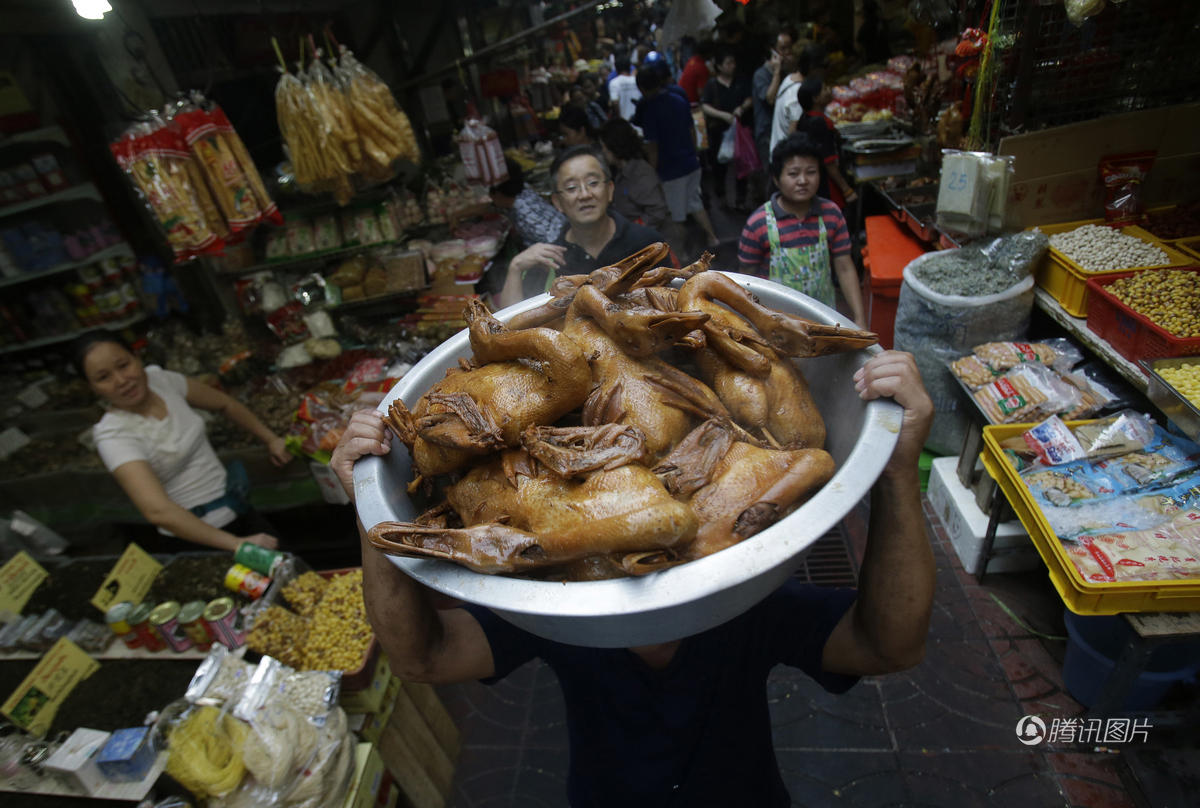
x=754, y=246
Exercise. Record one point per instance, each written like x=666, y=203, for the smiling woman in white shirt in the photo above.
x=153, y=441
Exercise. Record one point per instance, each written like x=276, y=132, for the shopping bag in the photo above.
x=745, y=152
x=725, y=153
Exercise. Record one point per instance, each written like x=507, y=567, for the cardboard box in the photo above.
x=1056, y=175
x=373, y=723
x=370, y=698
x=367, y=779
x=128, y=755
x=74, y=763
x=955, y=506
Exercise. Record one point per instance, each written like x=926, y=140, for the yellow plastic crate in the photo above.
x=1080, y=596
x=1190, y=247
x=1066, y=281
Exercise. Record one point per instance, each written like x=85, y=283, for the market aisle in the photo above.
x=942, y=734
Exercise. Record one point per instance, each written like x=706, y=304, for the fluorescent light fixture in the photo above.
x=91, y=9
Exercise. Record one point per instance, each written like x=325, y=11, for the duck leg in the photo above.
x=487, y=548
x=638, y=331
x=580, y=450
x=787, y=333
x=459, y=423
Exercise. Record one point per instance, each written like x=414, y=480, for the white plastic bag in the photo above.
x=939, y=328
x=725, y=153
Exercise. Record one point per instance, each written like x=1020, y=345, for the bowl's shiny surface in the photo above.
x=683, y=600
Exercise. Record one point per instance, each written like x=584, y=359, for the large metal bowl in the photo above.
x=683, y=600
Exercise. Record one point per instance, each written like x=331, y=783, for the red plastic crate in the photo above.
x=1131, y=334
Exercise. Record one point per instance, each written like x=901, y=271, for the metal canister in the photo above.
x=224, y=622
x=246, y=581
x=165, y=620
x=117, y=618
x=139, y=621
x=257, y=558
x=191, y=618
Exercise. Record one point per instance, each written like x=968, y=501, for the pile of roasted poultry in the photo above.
x=573, y=446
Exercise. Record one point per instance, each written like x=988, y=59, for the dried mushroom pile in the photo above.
x=623, y=427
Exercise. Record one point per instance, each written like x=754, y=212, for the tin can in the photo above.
x=139, y=621
x=191, y=618
x=224, y=622
x=165, y=620
x=257, y=558
x=117, y=618
x=246, y=581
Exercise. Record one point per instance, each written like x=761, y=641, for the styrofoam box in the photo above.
x=74, y=762
x=955, y=506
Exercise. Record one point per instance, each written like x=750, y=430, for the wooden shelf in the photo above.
x=44, y=341
x=1077, y=327
x=83, y=191
x=52, y=786
x=107, y=252
x=43, y=135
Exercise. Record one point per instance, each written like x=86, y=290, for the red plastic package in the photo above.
x=1122, y=176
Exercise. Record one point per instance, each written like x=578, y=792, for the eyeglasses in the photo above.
x=592, y=184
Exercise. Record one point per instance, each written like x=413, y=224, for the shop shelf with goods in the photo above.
x=65, y=264
x=1066, y=279
x=1080, y=595
x=1137, y=335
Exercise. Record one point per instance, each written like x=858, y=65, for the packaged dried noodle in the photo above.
x=229, y=187
x=386, y=132
x=161, y=168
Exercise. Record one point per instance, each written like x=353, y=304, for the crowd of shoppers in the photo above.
x=668, y=125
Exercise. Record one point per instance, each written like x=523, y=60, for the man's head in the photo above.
x=504, y=194
x=809, y=92
x=649, y=81
x=797, y=60
x=796, y=165
x=726, y=63
x=573, y=123
x=583, y=185
x=785, y=39
x=622, y=65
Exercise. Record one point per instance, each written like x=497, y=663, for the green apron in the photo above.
x=805, y=269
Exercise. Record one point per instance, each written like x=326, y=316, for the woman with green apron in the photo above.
x=779, y=241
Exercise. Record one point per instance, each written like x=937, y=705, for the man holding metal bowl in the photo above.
x=686, y=723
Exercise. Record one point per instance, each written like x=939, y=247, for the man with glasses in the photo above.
x=594, y=237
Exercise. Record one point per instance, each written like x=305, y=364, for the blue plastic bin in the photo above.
x=1093, y=645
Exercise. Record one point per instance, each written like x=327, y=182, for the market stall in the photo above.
x=191, y=678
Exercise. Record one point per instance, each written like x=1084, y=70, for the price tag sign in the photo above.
x=35, y=701
x=19, y=577
x=129, y=579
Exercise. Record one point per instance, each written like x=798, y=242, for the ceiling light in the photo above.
x=91, y=9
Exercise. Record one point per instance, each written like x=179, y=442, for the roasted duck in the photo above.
x=665, y=467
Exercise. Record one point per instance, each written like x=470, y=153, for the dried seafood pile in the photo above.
x=577, y=445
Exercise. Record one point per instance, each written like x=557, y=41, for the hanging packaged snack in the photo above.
x=319, y=159
x=1123, y=176
x=157, y=160
x=385, y=131
x=481, y=153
